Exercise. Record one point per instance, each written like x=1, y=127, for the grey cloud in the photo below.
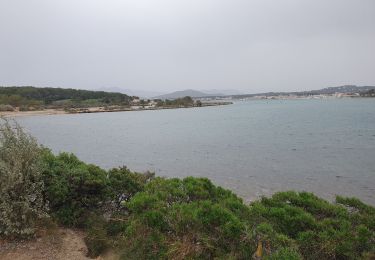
x=165, y=45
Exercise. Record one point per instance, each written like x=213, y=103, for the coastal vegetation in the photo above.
x=140, y=216
x=370, y=93
x=178, y=102
x=33, y=98
x=59, y=100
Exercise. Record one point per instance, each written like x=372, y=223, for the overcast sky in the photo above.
x=166, y=45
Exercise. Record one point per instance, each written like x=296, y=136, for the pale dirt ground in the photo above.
x=63, y=244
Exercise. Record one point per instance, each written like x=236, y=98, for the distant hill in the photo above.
x=133, y=92
x=346, y=89
x=159, y=94
x=341, y=89
x=183, y=93
x=222, y=92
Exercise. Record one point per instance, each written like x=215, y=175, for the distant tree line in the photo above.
x=178, y=102
x=370, y=93
x=27, y=98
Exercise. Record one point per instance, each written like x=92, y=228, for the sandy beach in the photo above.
x=32, y=113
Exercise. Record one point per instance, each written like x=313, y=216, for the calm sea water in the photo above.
x=254, y=148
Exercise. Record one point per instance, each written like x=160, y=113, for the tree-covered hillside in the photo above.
x=28, y=98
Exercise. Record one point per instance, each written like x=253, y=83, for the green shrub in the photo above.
x=123, y=184
x=142, y=242
x=72, y=187
x=116, y=225
x=21, y=183
x=319, y=229
x=191, y=218
x=285, y=254
x=96, y=238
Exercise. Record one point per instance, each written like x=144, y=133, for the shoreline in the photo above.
x=32, y=113
x=97, y=110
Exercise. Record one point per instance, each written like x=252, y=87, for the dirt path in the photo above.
x=62, y=244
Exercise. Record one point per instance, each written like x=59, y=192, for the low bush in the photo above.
x=319, y=229
x=96, y=238
x=189, y=218
x=124, y=184
x=6, y=107
x=74, y=188
x=192, y=218
x=21, y=183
